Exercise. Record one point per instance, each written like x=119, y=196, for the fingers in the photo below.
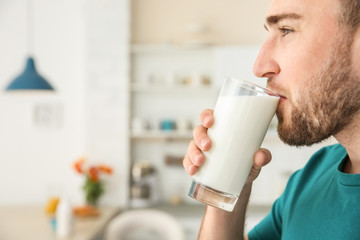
x=195, y=155
x=193, y=158
x=201, y=138
x=207, y=118
x=188, y=166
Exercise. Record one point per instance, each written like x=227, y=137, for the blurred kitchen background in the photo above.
x=130, y=79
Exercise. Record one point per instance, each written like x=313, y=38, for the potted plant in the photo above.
x=93, y=185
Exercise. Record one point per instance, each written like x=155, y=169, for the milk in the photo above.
x=236, y=135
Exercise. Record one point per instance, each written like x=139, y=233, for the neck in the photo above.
x=350, y=139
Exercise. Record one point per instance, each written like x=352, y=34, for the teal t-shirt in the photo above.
x=319, y=202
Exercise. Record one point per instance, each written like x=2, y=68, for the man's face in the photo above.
x=307, y=60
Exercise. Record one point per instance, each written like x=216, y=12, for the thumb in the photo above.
x=262, y=157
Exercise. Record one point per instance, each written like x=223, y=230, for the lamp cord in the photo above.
x=29, y=26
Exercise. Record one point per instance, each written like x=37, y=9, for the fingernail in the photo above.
x=207, y=120
x=204, y=142
x=197, y=158
x=191, y=169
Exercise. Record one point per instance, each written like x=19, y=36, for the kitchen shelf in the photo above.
x=174, y=135
x=168, y=48
x=146, y=88
x=162, y=136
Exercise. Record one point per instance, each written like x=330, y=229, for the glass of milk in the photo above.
x=242, y=116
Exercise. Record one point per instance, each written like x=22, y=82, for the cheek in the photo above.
x=299, y=70
x=293, y=76
x=305, y=54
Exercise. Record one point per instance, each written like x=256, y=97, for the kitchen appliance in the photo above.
x=143, y=185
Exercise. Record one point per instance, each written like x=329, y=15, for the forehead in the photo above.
x=310, y=9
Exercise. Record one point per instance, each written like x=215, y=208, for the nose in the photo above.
x=265, y=65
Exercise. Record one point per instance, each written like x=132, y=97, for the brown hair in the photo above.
x=350, y=14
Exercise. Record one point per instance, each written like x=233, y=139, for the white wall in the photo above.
x=226, y=21
x=107, y=90
x=34, y=158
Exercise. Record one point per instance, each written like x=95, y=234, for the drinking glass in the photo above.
x=242, y=115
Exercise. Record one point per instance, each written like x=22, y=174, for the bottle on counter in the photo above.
x=64, y=218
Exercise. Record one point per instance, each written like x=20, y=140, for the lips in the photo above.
x=282, y=99
x=273, y=92
x=282, y=96
x=274, y=88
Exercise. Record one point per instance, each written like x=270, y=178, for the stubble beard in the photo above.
x=326, y=105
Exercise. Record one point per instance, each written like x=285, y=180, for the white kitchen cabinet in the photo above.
x=170, y=86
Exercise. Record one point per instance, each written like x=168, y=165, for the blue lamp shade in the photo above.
x=29, y=79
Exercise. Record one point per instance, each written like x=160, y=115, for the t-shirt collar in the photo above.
x=351, y=180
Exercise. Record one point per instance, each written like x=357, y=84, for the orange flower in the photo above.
x=79, y=164
x=93, y=173
x=105, y=169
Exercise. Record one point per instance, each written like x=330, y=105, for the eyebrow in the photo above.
x=274, y=19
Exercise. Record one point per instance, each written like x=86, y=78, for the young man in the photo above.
x=311, y=57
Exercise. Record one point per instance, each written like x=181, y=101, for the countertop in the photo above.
x=31, y=222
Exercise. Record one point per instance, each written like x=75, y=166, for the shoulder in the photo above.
x=326, y=157
x=325, y=160
x=333, y=151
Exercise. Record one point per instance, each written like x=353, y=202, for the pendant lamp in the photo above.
x=29, y=79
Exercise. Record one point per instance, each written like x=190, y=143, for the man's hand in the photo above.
x=195, y=158
x=219, y=224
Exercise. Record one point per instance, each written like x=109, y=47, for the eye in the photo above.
x=285, y=31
